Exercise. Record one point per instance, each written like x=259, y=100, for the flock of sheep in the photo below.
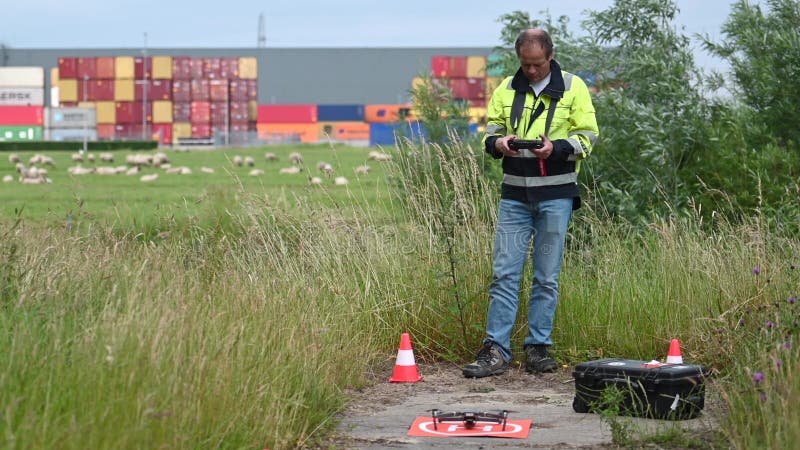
x=36, y=171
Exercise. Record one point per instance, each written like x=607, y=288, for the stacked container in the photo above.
x=342, y=123
x=288, y=123
x=21, y=103
x=162, y=97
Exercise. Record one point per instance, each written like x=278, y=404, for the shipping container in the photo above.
x=252, y=110
x=238, y=90
x=162, y=111
x=97, y=90
x=131, y=112
x=197, y=69
x=476, y=88
x=220, y=114
x=240, y=112
x=181, y=68
x=459, y=88
x=67, y=68
x=87, y=67
x=440, y=66
x=218, y=90
x=248, y=68
x=229, y=68
x=22, y=77
x=67, y=90
x=477, y=115
x=156, y=90
x=105, y=131
x=340, y=113
x=129, y=131
x=162, y=132
x=212, y=68
x=385, y=134
x=22, y=115
x=343, y=131
x=201, y=130
x=288, y=132
x=72, y=134
x=182, y=112
x=123, y=90
x=139, y=63
x=458, y=67
x=181, y=130
x=54, y=77
x=494, y=71
x=181, y=90
x=200, y=91
x=106, y=112
x=287, y=114
x=106, y=67
x=21, y=96
x=20, y=133
x=162, y=67
x=386, y=113
x=124, y=67
x=201, y=112
x=477, y=103
x=476, y=67
x=252, y=90
x=72, y=117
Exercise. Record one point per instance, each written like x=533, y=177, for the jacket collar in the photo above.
x=554, y=89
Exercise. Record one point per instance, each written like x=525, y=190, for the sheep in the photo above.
x=105, y=170
x=148, y=178
x=340, y=181
x=256, y=172
x=107, y=157
x=159, y=159
x=296, y=158
x=180, y=170
x=38, y=180
x=14, y=158
x=77, y=157
x=133, y=171
x=8, y=179
x=41, y=160
x=325, y=168
x=238, y=161
x=269, y=156
x=206, y=170
x=249, y=161
x=135, y=160
x=290, y=170
x=315, y=180
x=78, y=170
x=166, y=166
x=362, y=170
x=379, y=156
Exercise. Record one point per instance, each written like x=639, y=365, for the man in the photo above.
x=539, y=192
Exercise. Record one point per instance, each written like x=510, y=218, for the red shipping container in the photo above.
x=105, y=67
x=67, y=68
x=459, y=87
x=476, y=88
x=201, y=130
x=87, y=68
x=229, y=68
x=138, y=67
x=480, y=103
x=287, y=113
x=182, y=112
x=21, y=115
x=201, y=91
x=181, y=90
x=238, y=90
x=156, y=90
x=218, y=90
x=240, y=112
x=219, y=113
x=128, y=131
x=440, y=66
x=252, y=89
x=197, y=69
x=101, y=90
x=458, y=67
x=163, y=133
x=201, y=112
x=181, y=68
x=212, y=68
x=105, y=131
x=131, y=112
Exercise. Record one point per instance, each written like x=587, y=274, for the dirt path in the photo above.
x=379, y=416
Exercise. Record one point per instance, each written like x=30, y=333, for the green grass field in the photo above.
x=125, y=201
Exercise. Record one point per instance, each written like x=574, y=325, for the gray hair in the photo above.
x=535, y=36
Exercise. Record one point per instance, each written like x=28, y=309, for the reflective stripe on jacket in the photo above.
x=514, y=109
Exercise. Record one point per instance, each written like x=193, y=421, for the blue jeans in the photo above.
x=546, y=222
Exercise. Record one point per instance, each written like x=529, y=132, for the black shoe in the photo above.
x=489, y=362
x=538, y=360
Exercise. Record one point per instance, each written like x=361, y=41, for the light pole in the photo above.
x=85, y=116
x=144, y=89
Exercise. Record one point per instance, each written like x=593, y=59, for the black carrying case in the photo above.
x=665, y=391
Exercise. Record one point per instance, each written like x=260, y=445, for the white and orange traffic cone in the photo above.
x=674, y=354
x=405, y=369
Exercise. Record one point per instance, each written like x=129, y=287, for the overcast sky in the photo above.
x=300, y=23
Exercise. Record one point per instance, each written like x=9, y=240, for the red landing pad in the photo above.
x=423, y=426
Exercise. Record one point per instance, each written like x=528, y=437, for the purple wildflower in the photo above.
x=778, y=363
x=791, y=300
x=756, y=270
x=762, y=395
x=741, y=322
x=787, y=345
x=758, y=377
x=770, y=324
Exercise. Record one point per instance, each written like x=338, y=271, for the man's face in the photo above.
x=534, y=62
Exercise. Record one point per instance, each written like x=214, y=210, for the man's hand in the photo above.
x=501, y=145
x=546, y=150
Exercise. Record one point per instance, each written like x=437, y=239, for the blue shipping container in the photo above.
x=340, y=113
x=384, y=133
